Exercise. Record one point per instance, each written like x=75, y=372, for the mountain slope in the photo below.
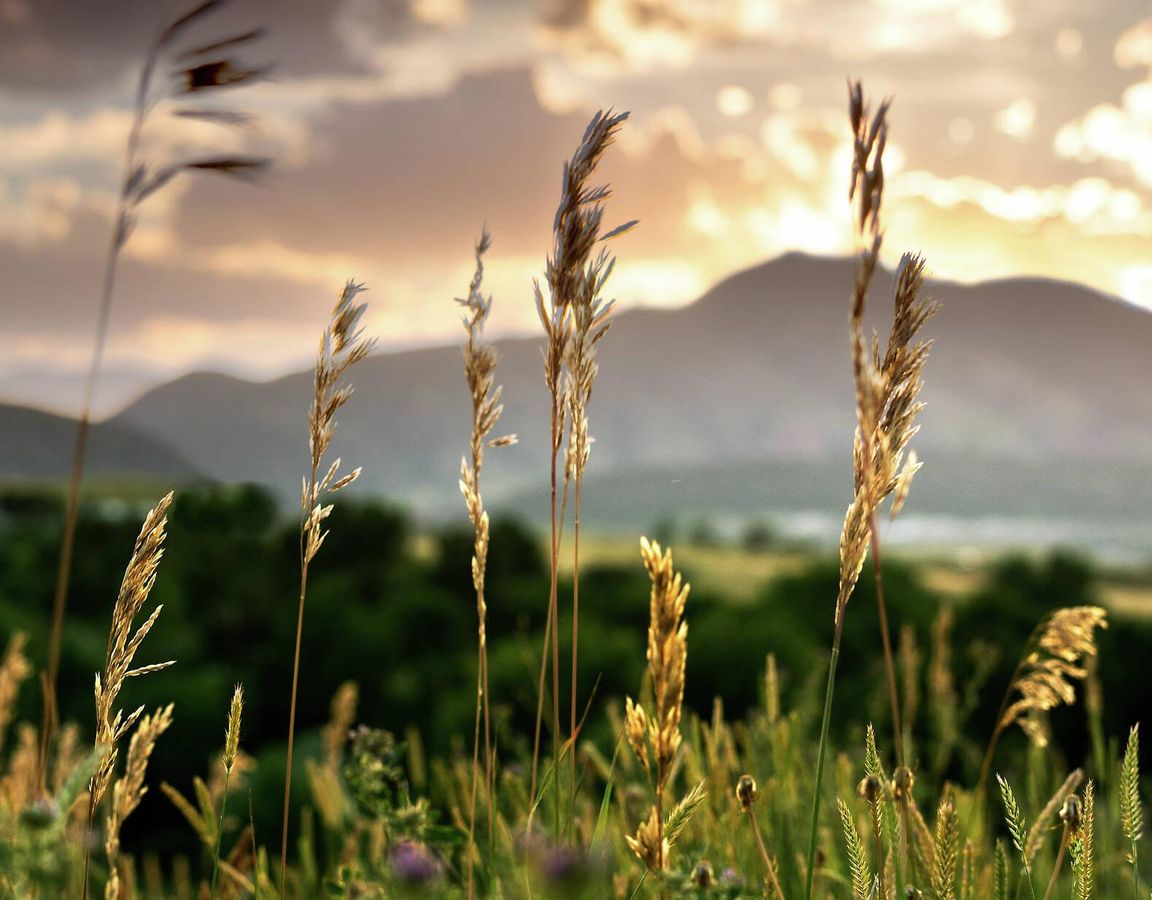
x=38, y=446
x=1028, y=372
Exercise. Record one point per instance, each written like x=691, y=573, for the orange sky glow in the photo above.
x=1021, y=145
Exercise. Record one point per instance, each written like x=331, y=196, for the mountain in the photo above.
x=37, y=446
x=1037, y=390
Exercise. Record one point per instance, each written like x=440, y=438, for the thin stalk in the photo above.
x=575, y=631
x=292, y=708
x=553, y=599
x=475, y=780
x=1059, y=862
x=220, y=831
x=550, y=638
x=886, y=641
x=88, y=843
x=84, y=425
x=661, y=861
x=986, y=765
x=772, y=879
x=820, y=755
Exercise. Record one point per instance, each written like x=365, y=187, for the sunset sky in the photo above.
x=1021, y=145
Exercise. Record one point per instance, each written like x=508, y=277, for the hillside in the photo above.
x=1037, y=405
x=37, y=446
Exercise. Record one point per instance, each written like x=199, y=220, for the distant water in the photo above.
x=1120, y=542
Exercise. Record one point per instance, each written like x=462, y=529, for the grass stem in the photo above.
x=820, y=756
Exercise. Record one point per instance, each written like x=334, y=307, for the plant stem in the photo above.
x=475, y=778
x=986, y=765
x=820, y=755
x=220, y=831
x=886, y=642
x=87, y=843
x=575, y=633
x=772, y=879
x=1059, y=862
x=551, y=632
x=84, y=425
x=292, y=708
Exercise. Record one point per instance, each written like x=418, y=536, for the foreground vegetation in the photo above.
x=594, y=767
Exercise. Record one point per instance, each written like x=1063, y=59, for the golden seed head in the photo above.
x=232, y=735
x=647, y=845
x=902, y=783
x=746, y=792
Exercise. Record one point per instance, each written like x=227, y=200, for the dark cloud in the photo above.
x=65, y=46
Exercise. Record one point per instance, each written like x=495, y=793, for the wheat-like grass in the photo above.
x=655, y=737
x=200, y=70
x=130, y=789
x=857, y=856
x=1045, y=677
x=342, y=345
x=947, y=848
x=887, y=387
x=231, y=749
x=1083, y=860
x=591, y=319
x=124, y=640
x=1017, y=827
x=1131, y=816
x=480, y=360
x=575, y=277
x=14, y=670
x=1055, y=806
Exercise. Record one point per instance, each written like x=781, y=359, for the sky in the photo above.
x=1021, y=144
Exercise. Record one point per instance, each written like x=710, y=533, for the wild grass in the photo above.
x=198, y=70
x=342, y=345
x=887, y=391
x=693, y=806
x=574, y=318
x=479, y=367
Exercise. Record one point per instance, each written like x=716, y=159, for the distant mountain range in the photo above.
x=1038, y=391
x=38, y=446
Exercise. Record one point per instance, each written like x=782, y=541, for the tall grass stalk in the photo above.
x=1131, y=815
x=592, y=317
x=1045, y=677
x=124, y=639
x=479, y=366
x=204, y=70
x=342, y=345
x=231, y=748
x=574, y=319
x=887, y=390
x=821, y=752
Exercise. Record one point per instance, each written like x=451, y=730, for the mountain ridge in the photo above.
x=1031, y=371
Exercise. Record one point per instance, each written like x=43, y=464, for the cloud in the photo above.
x=1121, y=134
x=401, y=126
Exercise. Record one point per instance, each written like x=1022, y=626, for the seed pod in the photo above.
x=746, y=792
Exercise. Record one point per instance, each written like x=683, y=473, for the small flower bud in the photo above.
x=1071, y=813
x=746, y=792
x=702, y=874
x=902, y=783
x=871, y=788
